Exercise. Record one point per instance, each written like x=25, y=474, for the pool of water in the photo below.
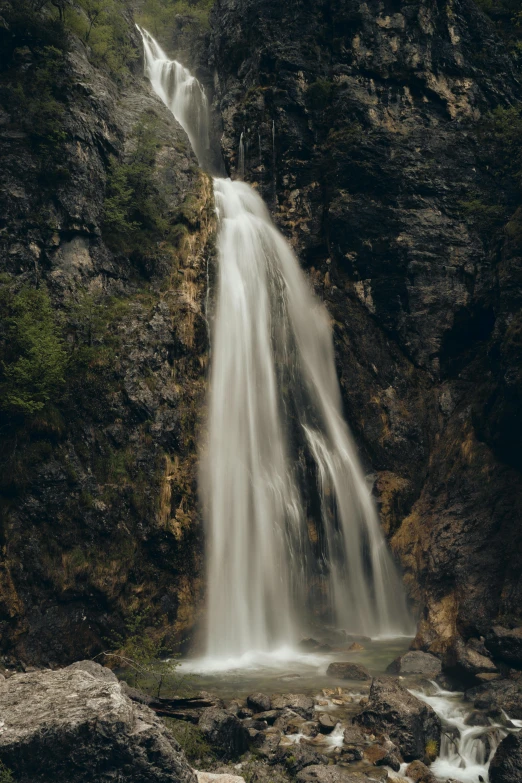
x=287, y=670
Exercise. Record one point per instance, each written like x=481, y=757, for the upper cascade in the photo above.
x=182, y=93
x=293, y=535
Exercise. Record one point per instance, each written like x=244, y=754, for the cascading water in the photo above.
x=182, y=94
x=466, y=750
x=292, y=531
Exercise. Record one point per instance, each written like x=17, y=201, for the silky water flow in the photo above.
x=292, y=530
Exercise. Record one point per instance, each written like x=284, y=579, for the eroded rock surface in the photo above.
x=410, y=723
x=77, y=724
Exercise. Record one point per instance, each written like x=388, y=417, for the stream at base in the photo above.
x=469, y=738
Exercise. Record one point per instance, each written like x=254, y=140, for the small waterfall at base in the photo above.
x=466, y=750
x=293, y=536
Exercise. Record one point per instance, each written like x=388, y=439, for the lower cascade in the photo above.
x=293, y=536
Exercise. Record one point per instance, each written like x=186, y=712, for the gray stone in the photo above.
x=409, y=723
x=354, y=736
x=224, y=731
x=327, y=723
x=466, y=660
x=259, y=702
x=298, y=702
x=342, y=670
x=333, y=774
x=416, y=662
x=77, y=725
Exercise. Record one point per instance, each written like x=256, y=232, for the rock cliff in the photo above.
x=362, y=128
x=99, y=518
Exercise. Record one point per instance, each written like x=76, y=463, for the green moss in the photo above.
x=320, y=94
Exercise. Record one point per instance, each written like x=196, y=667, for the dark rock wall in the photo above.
x=360, y=121
x=99, y=516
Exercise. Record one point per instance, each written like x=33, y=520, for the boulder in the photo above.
x=258, y=702
x=296, y=757
x=333, y=774
x=506, y=764
x=355, y=647
x=327, y=723
x=375, y=754
x=342, y=670
x=465, y=660
x=410, y=723
x=354, y=736
x=420, y=773
x=78, y=725
x=415, y=662
x=211, y=777
x=493, y=697
x=267, y=742
x=270, y=716
x=297, y=702
x=506, y=644
x=224, y=732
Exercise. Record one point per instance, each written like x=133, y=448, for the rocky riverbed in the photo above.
x=81, y=723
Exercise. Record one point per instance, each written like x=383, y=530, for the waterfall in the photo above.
x=241, y=168
x=182, y=94
x=293, y=535
x=466, y=750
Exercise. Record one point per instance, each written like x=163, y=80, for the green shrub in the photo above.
x=6, y=776
x=135, y=210
x=101, y=24
x=191, y=740
x=33, y=356
x=158, y=16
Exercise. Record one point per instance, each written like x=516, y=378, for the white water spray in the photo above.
x=292, y=531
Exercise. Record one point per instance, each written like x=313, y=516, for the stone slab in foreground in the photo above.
x=77, y=725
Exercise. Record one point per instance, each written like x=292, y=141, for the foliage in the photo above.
x=33, y=356
x=6, y=776
x=102, y=26
x=158, y=16
x=35, y=98
x=140, y=651
x=134, y=208
x=191, y=740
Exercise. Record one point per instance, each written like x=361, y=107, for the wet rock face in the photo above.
x=76, y=724
x=409, y=723
x=360, y=126
x=506, y=765
x=99, y=502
